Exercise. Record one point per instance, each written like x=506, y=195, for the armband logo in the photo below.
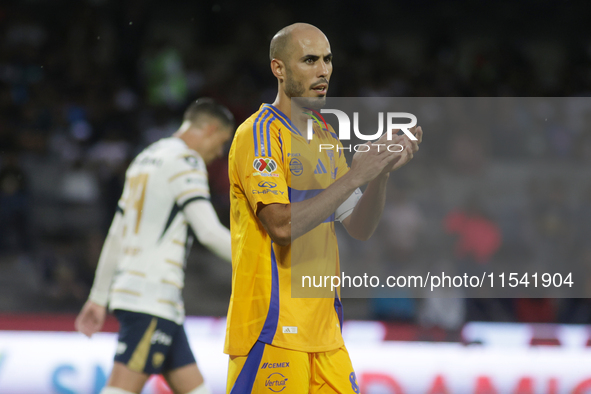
x=264, y=165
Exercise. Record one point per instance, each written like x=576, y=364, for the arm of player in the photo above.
x=208, y=229
x=284, y=222
x=92, y=316
x=107, y=264
x=365, y=217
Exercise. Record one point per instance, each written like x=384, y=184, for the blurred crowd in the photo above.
x=85, y=85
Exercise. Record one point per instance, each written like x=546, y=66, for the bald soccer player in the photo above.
x=278, y=343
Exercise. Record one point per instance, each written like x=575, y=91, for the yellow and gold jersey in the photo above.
x=264, y=169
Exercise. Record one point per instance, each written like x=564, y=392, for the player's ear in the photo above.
x=211, y=128
x=278, y=69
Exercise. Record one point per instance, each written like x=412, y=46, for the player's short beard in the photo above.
x=296, y=89
x=293, y=88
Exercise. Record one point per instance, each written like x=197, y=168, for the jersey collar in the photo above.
x=182, y=143
x=283, y=118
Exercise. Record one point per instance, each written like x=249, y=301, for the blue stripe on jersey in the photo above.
x=338, y=307
x=322, y=166
x=245, y=380
x=296, y=195
x=262, y=133
x=270, y=326
x=254, y=134
x=269, y=153
x=302, y=195
x=284, y=119
x=281, y=145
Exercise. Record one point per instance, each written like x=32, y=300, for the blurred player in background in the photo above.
x=140, y=273
x=294, y=345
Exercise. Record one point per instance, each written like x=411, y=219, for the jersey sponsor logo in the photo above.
x=295, y=167
x=353, y=380
x=161, y=338
x=284, y=364
x=290, y=330
x=264, y=165
x=293, y=154
x=320, y=169
x=192, y=161
x=268, y=191
x=150, y=160
x=200, y=181
x=269, y=185
x=276, y=382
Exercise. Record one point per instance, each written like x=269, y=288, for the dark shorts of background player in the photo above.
x=150, y=344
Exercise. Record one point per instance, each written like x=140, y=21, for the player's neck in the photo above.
x=283, y=103
x=192, y=140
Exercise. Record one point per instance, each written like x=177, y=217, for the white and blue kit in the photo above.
x=141, y=268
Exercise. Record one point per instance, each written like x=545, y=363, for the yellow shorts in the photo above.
x=268, y=369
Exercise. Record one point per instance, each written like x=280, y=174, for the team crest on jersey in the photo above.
x=192, y=161
x=296, y=167
x=264, y=165
x=157, y=359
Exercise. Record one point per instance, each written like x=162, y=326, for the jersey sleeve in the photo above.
x=210, y=232
x=187, y=179
x=107, y=263
x=259, y=163
x=121, y=204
